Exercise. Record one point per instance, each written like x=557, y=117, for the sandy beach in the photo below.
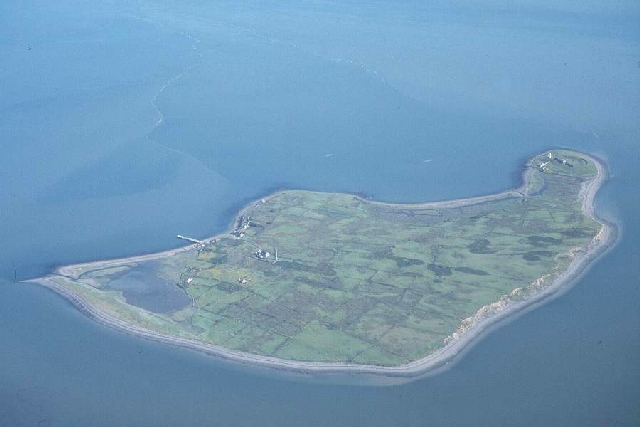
x=455, y=346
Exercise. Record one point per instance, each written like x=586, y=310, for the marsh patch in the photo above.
x=535, y=255
x=468, y=270
x=543, y=240
x=217, y=260
x=329, y=283
x=481, y=246
x=576, y=232
x=228, y=287
x=406, y=262
x=410, y=274
x=440, y=270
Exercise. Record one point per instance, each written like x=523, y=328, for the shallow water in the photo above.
x=424, y=101
x=142, y=286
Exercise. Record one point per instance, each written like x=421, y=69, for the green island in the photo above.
x=316, y=281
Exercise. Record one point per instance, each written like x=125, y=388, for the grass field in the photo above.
x=360, y=282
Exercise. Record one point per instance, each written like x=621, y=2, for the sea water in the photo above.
x=124, y=124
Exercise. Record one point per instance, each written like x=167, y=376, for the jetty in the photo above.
x=191, y=239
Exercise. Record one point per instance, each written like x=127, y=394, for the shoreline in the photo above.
x=579, y=265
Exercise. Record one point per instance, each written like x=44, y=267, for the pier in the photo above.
x=190, y=239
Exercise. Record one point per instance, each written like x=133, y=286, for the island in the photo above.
x=331, y=282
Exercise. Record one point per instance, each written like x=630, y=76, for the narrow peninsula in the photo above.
x=328, y=282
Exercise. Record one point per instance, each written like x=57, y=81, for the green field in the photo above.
x=356, y=281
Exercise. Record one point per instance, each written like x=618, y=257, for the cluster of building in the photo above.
x=265, y=255
x=244, y=222
x=563, y=162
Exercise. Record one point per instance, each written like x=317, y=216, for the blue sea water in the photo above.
x=123, y=124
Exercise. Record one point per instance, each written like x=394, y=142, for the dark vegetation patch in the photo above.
x=331, y=283
x=406, y=262
x=324, y=268
x=481, y=246
x=477, y=217
x=576, y=232
x=440, y=270
x=421, y=239
x=543, y=240
x=292, y=265
x=411, y=274
x=355, y=309
x=409, y=299
x=468, y=270
x=382, y=253
x=228, y=287
x=535, y=255
x=387, y=253
x=220, y=259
